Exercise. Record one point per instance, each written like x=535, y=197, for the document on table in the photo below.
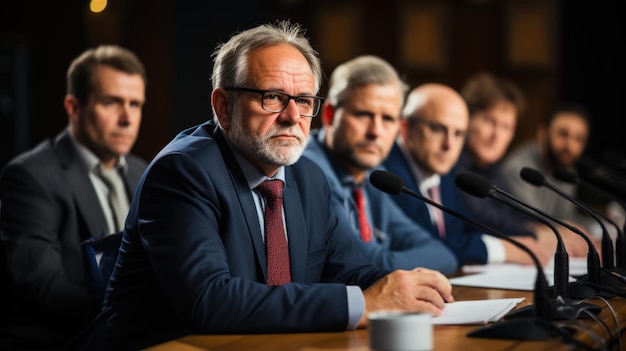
x=512, y=276
x=476, y=311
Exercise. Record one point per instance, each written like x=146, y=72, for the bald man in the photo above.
x=433, y=125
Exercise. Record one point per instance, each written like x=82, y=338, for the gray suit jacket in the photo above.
x=48, y=206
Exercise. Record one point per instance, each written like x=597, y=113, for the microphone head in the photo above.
x=388, y=182
x=564, y=175
x=532, y=176
x=473, y=184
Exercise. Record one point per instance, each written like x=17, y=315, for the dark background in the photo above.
x=175, y=40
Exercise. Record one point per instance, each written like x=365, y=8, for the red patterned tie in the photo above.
x=364, y=226
x=433, y=192
x=278, y=271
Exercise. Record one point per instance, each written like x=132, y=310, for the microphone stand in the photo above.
x=607, y=244
x=534, y=177
x=620, y=242
x=607, y=195
x=479, y=186
x=535, y=327
x=576, y=289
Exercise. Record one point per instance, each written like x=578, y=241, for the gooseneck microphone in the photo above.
x=535, y=178
x=479, y=186
x=620, y=242
x=536, y=327
x=568, y=176
x=594, y=270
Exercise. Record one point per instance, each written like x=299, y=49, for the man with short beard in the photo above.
x=360, y=123
x=560, y=142
x=194, y=258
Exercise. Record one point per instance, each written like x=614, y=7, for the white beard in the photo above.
x=277, y=153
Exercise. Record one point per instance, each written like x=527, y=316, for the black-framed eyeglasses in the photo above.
x=436, y=129
x=277, y=101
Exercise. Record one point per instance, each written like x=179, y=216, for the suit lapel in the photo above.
x=244, y=197
x=87, y=203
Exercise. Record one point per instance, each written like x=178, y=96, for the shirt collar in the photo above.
x=424, y=183
x=253, y=176
x=92, y=161
x=345, y=178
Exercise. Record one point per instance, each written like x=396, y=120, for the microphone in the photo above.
x=536, y=327
x=620, y=242
x=611, y=178
x=535, y=178
x=480, y=186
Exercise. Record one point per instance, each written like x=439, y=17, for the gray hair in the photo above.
x=359, y=71
x=230, y=66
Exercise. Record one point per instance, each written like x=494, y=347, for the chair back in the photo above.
x=99, y=256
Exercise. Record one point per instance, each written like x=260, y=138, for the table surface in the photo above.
x=446, y=337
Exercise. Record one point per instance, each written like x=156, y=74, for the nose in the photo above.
x=375, y=126
x=124, y=115
x=290, y=113
x=447, y=139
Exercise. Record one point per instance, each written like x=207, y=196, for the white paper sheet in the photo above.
x=476, y=311
x=513, y=276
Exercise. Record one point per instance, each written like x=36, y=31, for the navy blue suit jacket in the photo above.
x=489, y=211
x=463, y=238
x=192, y=259
x=398, y=242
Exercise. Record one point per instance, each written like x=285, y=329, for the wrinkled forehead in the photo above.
x=280, y=67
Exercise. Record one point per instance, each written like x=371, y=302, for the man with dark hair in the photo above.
x=495, y=106
x=63, y=191
x=560, y=141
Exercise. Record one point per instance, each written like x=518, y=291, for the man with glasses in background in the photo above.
x=432, y=132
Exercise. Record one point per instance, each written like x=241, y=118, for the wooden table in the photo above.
x=446, y=337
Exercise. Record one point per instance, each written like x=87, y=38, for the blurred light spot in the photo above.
x=97, y=6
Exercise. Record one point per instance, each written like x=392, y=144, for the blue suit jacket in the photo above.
x=398, y=242
x=463, y=238
x=193, y=259
x=489, y=211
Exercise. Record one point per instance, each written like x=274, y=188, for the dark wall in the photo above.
x=594, y=73
x=176, y=39
x=197, y=28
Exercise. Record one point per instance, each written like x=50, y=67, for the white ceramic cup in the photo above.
x=400, y=331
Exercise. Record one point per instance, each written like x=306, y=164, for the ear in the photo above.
x=403, y=130
x=72, y=108
x=221, y=107
x=328, y=114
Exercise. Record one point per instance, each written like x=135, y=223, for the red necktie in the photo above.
x=364, y=226
x=433, y=192
x=278, y=271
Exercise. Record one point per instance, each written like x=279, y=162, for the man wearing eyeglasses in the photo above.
x=231, y=232
x=360, y=121
x=432, y=132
